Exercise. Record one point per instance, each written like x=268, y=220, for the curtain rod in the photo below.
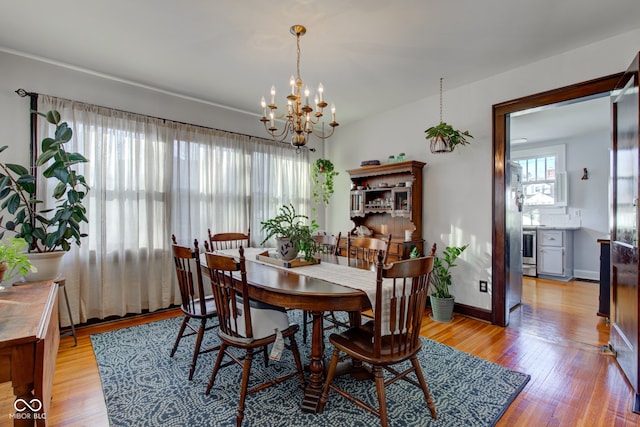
x=34, y=99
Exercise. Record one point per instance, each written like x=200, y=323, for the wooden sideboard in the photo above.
x=387, y=199
x=29, y=339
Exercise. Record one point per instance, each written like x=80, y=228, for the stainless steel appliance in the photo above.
x=514, y=230
x=529, y=249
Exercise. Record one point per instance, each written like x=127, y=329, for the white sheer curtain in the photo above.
x=152, y=178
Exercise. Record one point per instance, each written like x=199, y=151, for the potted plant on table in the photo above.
x=441, y=299
x=291, y=233
x=48, y=233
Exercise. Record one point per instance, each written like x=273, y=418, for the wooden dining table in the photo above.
x=286, y=288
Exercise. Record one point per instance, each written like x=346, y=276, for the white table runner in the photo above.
x=355, y=278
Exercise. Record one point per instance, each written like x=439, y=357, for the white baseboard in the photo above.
x=586, y=274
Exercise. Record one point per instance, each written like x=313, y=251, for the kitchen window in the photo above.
x=543, y=176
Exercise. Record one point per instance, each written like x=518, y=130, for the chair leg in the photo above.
x=296, y=357
x=183, y=326
x=196, y=348
x=305, y=315
x=246, y=371
x=382, y=397
x=330, y=374
x=425, y=389
x=265, y=355
x=216, y=367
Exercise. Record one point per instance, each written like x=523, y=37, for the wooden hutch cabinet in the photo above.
x=387, y=199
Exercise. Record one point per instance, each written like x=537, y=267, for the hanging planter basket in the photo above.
x=440, y=144
x=443, y=136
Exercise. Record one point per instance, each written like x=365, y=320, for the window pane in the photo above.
x=540, y=169
x=551, y=168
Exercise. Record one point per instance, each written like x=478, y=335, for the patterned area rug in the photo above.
x=143, y=386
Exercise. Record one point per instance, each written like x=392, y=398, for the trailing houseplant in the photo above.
x=322, y=176
x=292, y=233
x=441, y=299
x=46, y=230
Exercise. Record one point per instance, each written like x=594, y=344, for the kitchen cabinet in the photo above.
x=555, y=253
x=387, y=199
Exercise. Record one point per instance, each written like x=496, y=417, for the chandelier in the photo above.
x=300, y=119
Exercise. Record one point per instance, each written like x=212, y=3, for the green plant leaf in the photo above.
x=13, y=203
x=64, y=132
x=17, y=169
x=45, y=157
x=53, y=117
x=59, y=190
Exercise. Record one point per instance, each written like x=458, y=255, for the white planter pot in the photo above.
x=47, y=263
x=286, y=249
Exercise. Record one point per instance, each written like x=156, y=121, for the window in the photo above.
x=543, y=175
x=151, y=179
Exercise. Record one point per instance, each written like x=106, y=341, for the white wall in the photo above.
x=591, y=198
x=52, y=79
x=457, y=200
x=457, y=205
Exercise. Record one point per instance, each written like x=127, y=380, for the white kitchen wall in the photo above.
x=588, y=205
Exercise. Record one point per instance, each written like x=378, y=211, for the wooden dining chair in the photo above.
x=367, y=248
x=328, y=243
x=196, y=304
x=246, y=324
x=394, y=340
x=221, y=241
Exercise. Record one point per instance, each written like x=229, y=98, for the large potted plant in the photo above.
x=48, y=233
x=292, y=233
x=442, y=301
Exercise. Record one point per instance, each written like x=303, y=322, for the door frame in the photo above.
x=500, y=259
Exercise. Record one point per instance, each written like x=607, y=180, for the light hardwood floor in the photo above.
x=555, y=336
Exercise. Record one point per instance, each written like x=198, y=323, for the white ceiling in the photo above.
x=561, y=122
x=371, y=55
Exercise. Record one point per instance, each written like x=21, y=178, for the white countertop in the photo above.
x=550, y=227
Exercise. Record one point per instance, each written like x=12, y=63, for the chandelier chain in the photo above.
x=302, y=115
x=298, y=61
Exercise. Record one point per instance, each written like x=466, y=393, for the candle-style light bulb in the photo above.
x=273, y=94
x=333, y=112
x=320, y=92
x=263, y=103
x=272, y=118
x=292, y=83
x=306, y=95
